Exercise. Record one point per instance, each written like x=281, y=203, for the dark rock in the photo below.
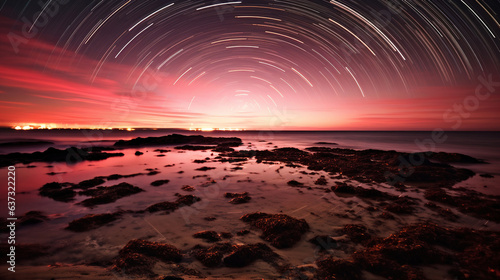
x=357, y=233
x=194, y=148
x=119, y=176
x=177, y=139
x=58, y=191
x=209, y=219
x=32, y=217
x=471, y=202
x=137, y=153
x=281, y=230
x=238, y=198
x=158, y=183
x=69, y=155
x=208, y=236
x=205, y=168
x=89, y=183
x=226, y=235
x=161, y=151
x=163, y=206
x=182, y=200
x=243, y=232
x=243, y=255
x=104, y=195
x=486, y=175
x=211, y=256
x=294, y=183
x=188, y=188
x=92, y=221
x=331, y=268
x=324, y=242
x=343, y=188
x=138, y=257
x=321, y=181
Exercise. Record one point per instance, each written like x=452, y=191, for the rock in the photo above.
x=163, y=206
x=211, y=256
x=331, y=268
x=194, y=148
x=204, y=168
x=104, y=195
x=486, y=175
x=294, y=183
x=321, y=181
x=243, y=232
x=182, y=200
x=158, y=183
x=357, y=233
x=89, y=183
x=343, y=188
x=32, y=217
x=177, y=139
x=58, y=191
x=208, y=236
x=281, y=230
x=238, y=198
x=92, y=221
x=324, y=242
x=138, y=257
x=137, y=153
x=69, y=155
x=188, y=188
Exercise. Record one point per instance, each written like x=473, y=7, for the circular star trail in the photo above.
x=252, y=57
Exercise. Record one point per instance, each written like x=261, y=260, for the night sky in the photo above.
x=288, y=64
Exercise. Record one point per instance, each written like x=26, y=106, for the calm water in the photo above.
x=483, y=145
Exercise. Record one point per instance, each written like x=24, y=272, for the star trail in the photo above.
x=323, y=64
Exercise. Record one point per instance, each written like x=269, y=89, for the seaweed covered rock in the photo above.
x=32, y=217
x=182, y=200
x=103, y=195
x=470, y=202
x=178, y=139
x=92, y=221
x=211, y=256
x=337, y=269
x=208, y=236
x=281, y=230
x=243, y=255
x=400, y=255
x=238, y=198
x=158, y=183
x=58, y=191
x=138, y=257
x=69, y=155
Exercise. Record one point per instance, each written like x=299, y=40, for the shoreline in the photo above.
x=311, y=185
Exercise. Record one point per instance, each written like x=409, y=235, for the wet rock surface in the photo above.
x=70, y=155
x=158, y=183
x=92, y=221
x=208, y=236
x=236, y=255
x=370, y=165
x=238, y=198
x=104, y=195
x=182, y=200
x=138, y=257
x=177, y=139
x=32, y=217
x=401, y=255
x=281, y=230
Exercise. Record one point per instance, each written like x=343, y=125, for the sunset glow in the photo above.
x=343, y=70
